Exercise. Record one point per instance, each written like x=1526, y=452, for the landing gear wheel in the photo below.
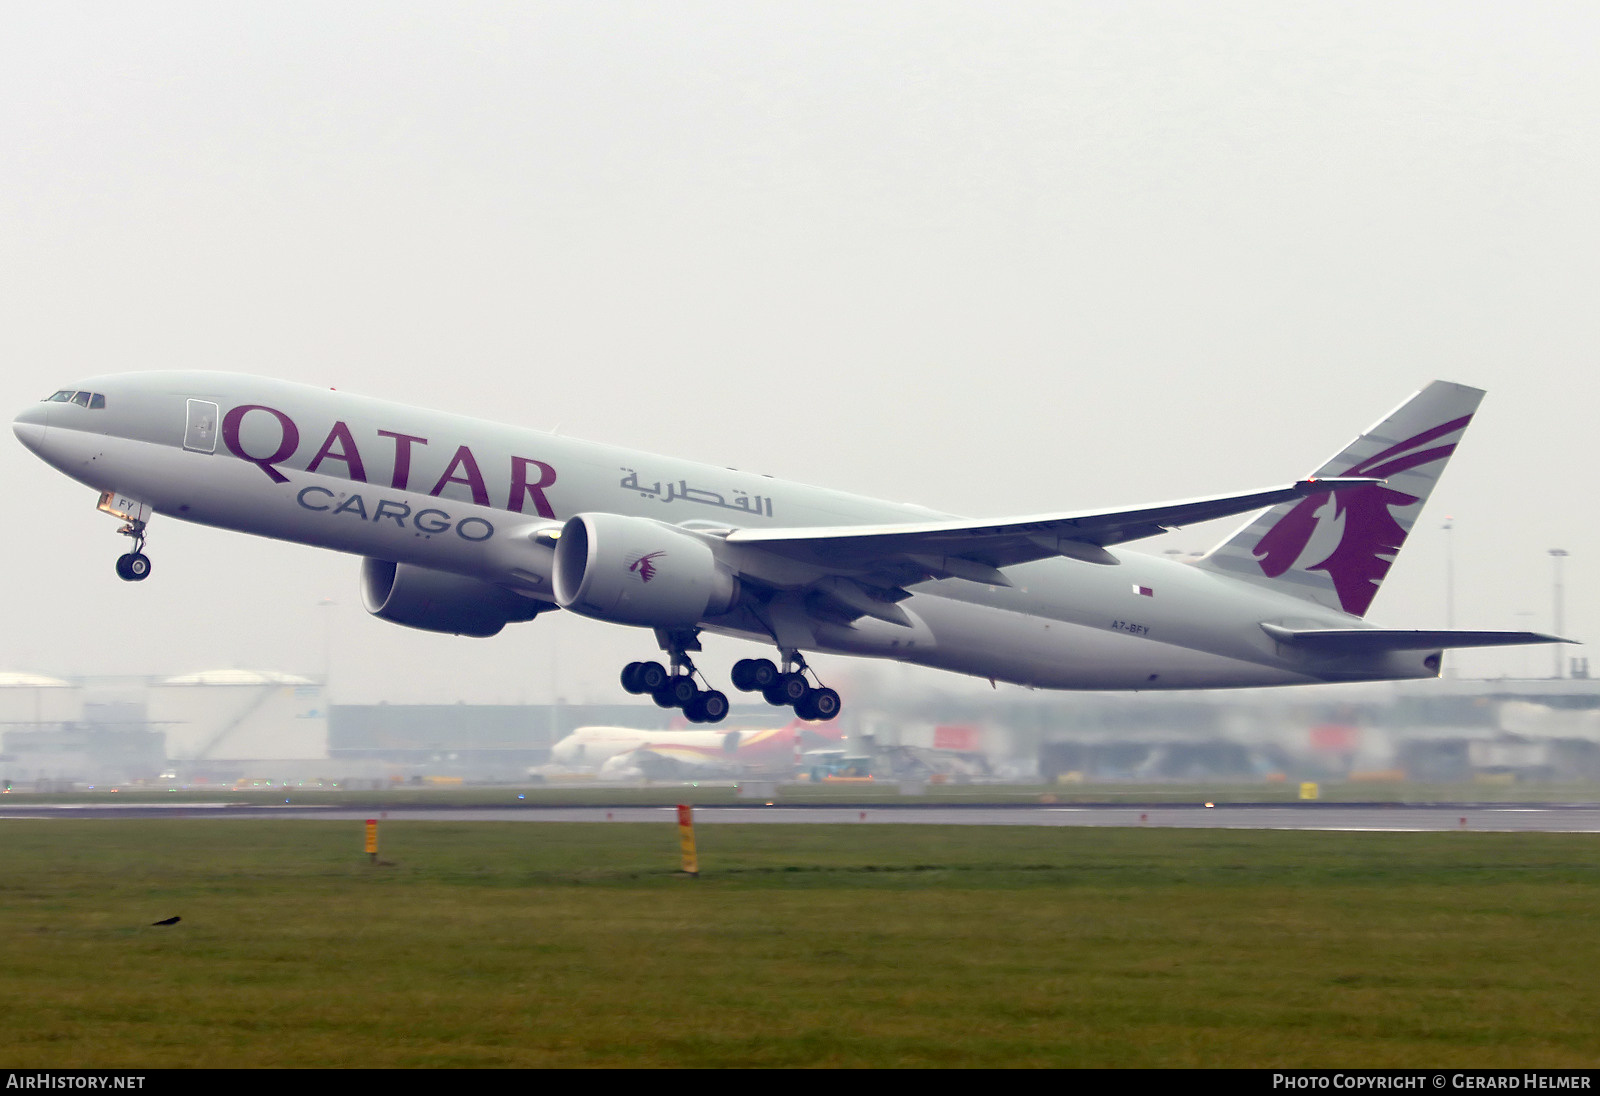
x=663, y=696
x=805, y=708
x=133, y=567
x=819, y=705
x=647, y=677
x=643, y=677
x=712, y=707
x=707, y=707
x=790, y=689
x=753, y=674
x=682, y=690
x=740, y=676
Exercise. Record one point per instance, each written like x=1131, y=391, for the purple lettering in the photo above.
x=347, y=452
x=521, y=489
x=472, y=479
x=402, y=457
x=288, y=441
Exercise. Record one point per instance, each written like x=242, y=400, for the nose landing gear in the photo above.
x=135, y=566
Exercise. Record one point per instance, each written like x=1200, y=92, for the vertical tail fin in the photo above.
x=1336, y=549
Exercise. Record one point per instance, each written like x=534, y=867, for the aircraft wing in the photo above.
x=976, y=550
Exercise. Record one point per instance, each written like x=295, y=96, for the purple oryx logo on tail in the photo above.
x=1370, y=536
x=643, y=567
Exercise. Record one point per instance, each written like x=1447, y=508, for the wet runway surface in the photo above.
x=1542, y=818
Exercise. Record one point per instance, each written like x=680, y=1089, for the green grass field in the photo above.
x=523, y=944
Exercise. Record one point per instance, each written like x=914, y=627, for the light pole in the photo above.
x=1525, y=619
x=1556, y=556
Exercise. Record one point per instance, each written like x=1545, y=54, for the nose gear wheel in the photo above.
x=133, y=567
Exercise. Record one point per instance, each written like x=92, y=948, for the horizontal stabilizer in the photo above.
x=1351, y=641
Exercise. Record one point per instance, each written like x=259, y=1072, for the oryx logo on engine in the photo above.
x=643, y=567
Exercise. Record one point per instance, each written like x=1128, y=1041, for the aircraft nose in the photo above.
x=30, y=426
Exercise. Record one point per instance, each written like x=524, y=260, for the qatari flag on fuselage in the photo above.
x=1144, y=591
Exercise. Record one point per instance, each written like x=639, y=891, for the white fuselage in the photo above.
x=461, y=495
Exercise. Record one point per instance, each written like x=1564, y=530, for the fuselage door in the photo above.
x=200, y=435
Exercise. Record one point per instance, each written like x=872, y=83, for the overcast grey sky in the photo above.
x=992, y=258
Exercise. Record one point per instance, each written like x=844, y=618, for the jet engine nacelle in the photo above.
x=636, y=571
x=437, y=601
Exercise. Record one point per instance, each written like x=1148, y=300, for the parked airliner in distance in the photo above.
x=466, y=526
x=628, y=753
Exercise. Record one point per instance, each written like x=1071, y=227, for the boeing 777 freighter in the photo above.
x=466, y=526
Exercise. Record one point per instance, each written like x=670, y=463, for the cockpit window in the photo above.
x=94, y=401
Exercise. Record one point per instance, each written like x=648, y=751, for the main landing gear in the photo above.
x=788, y=689
x=676, y=688
x=135, y=566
